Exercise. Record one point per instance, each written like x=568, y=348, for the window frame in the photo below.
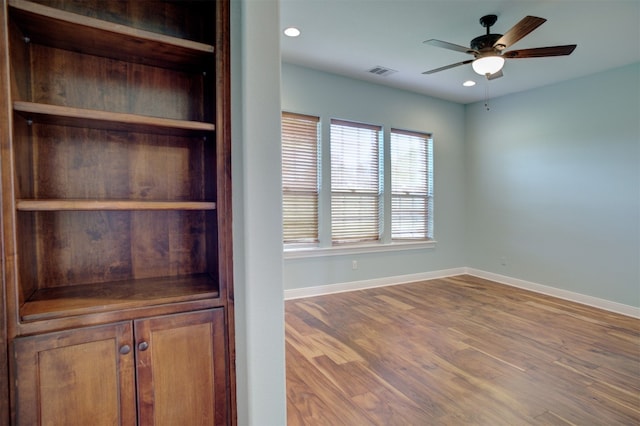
x=325, y=247
x=301, y=190
x=356, y=185
x=413, y=189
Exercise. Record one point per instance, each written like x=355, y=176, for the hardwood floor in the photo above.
x=459, y=351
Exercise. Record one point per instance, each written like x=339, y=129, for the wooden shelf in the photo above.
x=70, y=31
x=105, y=120
x=59, y=302
x=96, y=205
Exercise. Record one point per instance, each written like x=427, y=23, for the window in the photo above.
x=374, y=194
x=300, y=178
x=411, y=185
x=355, y=182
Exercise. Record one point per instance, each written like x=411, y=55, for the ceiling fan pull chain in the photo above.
x=486, y=95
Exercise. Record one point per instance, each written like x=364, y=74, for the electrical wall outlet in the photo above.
x=354, y=264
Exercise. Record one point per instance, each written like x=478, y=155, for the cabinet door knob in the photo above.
x=142, y=346
x=125, y=349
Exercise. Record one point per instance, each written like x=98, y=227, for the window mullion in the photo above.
x=324, y=211
x=385, y=218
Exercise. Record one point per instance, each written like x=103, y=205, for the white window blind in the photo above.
x=411, y=185
x=355, y=182
x=300, y=178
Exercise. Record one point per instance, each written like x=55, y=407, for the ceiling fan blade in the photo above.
x=450, y=46
x=540, y=52
x=518, y=31
x=495, y=75
x=448, y=66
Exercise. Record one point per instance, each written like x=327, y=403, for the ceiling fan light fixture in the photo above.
x=488, y=65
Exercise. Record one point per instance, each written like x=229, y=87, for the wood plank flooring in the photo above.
x=459, y=351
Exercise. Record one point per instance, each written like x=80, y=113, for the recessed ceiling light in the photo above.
x=292, y=32
x=469, y=83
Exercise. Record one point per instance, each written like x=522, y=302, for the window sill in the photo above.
x=302, y=252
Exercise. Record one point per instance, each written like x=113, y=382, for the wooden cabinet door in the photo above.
x=181, y=369
x=77, y=377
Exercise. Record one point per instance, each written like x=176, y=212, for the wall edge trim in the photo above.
x=583, y=299
x=607, y=305
x=299, y=293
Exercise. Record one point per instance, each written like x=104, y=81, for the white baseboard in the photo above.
x=298, y=293
x=596, y=302
x=607, y=305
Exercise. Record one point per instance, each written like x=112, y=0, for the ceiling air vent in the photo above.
x=382, y=71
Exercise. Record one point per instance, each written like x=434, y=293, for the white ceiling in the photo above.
x=349, y=37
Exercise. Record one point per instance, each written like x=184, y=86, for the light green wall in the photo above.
x=543, y=187
x=553, y=184
x=330, y=96
x=257, y=213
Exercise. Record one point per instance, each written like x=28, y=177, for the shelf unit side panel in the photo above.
x=24, y=154
x=222, y=107
x=213, y=260
x=5, y=268
x=24, y=181
x=29, y=269
x=20, y=60
x=211, y=189
x=224, y=189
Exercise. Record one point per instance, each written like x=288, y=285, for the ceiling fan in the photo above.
x=488, y=49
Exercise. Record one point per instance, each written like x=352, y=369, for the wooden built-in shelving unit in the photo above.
x=55, y=120
x=115, y=167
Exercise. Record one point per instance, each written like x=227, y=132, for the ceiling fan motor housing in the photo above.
x=485, y=42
